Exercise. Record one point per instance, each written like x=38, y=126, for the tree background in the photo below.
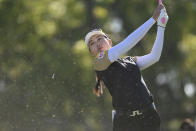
x=46, y=73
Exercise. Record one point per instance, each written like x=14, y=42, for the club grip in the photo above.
x=160, y=2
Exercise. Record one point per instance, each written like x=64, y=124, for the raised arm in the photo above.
x=154, y=56
x=124, y=46
x=118, y=50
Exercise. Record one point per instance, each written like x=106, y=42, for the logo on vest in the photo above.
x=135, y=113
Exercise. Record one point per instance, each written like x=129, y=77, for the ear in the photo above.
x=90, y=52
x=110, y=42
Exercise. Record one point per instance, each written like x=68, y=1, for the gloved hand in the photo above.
x=163, y=18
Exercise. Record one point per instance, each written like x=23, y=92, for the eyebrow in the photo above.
x=96, y=37
x=92, y=40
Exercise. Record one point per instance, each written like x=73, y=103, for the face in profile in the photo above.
x=99, y=43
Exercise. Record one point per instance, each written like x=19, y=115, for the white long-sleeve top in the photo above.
x=118, y=50
x=142, y=61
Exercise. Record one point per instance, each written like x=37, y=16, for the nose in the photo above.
x=100, y=44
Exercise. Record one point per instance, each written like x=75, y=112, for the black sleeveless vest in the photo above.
x=125, y=84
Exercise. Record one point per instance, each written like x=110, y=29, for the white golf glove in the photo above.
x=163, y=18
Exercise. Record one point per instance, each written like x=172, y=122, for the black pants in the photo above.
x=148, y=121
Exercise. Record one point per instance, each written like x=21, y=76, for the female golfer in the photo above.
x=132, y=101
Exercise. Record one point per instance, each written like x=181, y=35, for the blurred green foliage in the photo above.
x=46, y=73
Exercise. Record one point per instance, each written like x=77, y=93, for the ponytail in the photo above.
x=98, y=89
